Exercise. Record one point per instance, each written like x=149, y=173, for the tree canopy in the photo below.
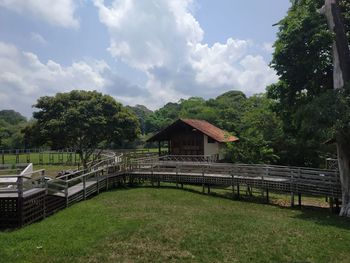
x=84, y=120
x=305, y=100
x=11, y=124
x=251, y=119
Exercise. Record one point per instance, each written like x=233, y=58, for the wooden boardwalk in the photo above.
x=35, y=199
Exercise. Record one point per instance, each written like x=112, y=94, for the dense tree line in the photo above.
x=252, y=119
x=308, y=106
x=11, y=124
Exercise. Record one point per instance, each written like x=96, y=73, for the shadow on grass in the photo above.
x=314, y=214
x=318, y=215
x=323, y=219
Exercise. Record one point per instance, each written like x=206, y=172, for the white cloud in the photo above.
x=268, y=47
x=36, y=37
x=60, y=13
x=24, y=78
x=163, y=39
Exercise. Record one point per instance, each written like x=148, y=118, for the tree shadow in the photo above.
x=318, y=215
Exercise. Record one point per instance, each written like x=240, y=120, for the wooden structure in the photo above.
x=193, y=137
x=30, y=200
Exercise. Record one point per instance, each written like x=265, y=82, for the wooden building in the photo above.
x=193, y=137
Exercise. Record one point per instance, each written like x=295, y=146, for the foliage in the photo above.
x=84, y=120
x=11, y=123
x=12, y=117
x=142, y=112
x=260, y=133
x=223, y=111
x=251, y=119
x=303, y=96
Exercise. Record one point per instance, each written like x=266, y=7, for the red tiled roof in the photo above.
x=202, y=126
x=210, y=130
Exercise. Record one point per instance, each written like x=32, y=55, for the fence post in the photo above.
x=158, y=176
x=46, y=192
x=291, y=188
x=203, y=182
x=98, y=182
x=233, y=185
x=152, y=176
x=299, y=194
x=107, y=176
x=17, y=156
x=66, y=193
x=177, y=176
x=20, y=199
x=267, y=185
x=84, y=187
x=3, y=156
x=27, y=156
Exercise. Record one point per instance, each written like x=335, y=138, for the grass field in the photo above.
x=37, y=158
x=165, y=224
x=48, y=158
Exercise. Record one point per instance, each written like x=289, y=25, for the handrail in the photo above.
x=84, y=175
x=15, y=176
x=34, y=172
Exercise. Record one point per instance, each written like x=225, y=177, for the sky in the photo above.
x=146, y=52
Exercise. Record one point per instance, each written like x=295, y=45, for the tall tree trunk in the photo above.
x=343, y=149
x=341, y=76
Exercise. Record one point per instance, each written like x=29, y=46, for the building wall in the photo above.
x=222, y=147
x=186, y=142
x=210, y=148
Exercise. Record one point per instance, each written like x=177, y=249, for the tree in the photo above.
x=260, y=133
x=303, y=61
x=311, y=110
x=84, y=120
x=142, y=113
x=341, y=77
x=12, y=117
x=11, y=124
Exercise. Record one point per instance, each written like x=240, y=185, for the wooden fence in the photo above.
x=56, y=157
x=280, y=179
x=28, y=199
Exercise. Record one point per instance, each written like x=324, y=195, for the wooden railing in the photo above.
x=190, y=158
x=17, y=184
x=299, y=180
x=48, y=195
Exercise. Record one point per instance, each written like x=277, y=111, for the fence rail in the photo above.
x=31, y=199
x=57, y=157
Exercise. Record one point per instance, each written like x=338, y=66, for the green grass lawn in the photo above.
x=165, y=224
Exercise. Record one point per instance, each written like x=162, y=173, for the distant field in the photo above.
x=170, y=225
x=40, y=158
x=48, y=158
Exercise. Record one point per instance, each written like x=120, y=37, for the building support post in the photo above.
x=292, y=199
